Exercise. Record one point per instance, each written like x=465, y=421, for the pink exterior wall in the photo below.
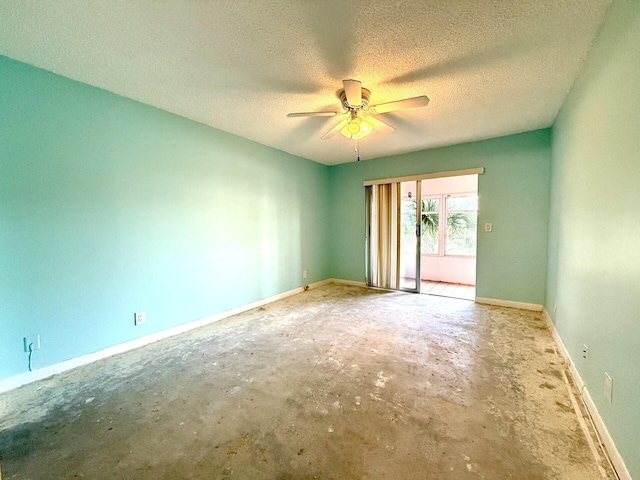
x=449, y=269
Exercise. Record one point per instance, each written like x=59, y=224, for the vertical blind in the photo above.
x=383, y=225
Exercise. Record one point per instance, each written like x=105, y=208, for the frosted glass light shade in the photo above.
x=357, y=128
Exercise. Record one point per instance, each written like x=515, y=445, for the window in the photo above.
x=459, y=236
x=462, y=218
x=430, y=226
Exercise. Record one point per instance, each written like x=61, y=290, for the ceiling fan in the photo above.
x=361, y=121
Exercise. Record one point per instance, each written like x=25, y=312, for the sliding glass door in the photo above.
x=410, y=236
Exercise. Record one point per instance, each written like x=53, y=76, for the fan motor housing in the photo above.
x=366, y=95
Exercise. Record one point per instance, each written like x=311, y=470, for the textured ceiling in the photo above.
x=490, y=67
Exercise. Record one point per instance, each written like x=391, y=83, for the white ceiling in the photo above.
x=490, y=67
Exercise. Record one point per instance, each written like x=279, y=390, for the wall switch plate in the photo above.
x=140, y=318
x=585, y=352
x=488, y=227
x=304, y=274
x=33, y=340
x=608, y=386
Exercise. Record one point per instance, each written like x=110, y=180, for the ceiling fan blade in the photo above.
x=353, y=91
x=404, y=104
x=336, y=128
x=379, y=125
x=313, y=114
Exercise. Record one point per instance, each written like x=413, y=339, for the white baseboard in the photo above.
x=605, y=437
x=509, y=304
x=30, y=377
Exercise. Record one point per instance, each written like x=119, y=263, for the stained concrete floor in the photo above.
x=339, y=382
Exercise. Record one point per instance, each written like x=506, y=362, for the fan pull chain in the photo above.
x=358, y=149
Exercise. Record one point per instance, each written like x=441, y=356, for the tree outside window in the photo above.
x=462, y=220
x=459, y=238
x=431, y=226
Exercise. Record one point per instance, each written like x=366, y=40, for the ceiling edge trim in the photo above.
x=426, y=176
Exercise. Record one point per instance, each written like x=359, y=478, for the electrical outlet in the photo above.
x=608, y=387
x=304, y=274
x=140, y=318
x=585, y=352
x=33, y=341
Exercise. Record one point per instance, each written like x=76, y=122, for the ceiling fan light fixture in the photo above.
x=358, y=127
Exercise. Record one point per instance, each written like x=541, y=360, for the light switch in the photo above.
x=488, y=227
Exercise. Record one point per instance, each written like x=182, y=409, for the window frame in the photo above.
x=443, y=211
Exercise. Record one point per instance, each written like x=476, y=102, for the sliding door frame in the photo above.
x=368, y=184
x=417, y=233
x=426, y=176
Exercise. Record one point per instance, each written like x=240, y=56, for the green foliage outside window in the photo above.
x=460, y=237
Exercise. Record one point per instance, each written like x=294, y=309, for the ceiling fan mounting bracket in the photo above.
x=366, y=95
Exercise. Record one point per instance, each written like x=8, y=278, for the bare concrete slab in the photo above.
x=338, y=382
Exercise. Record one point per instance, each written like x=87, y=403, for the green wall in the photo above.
x=594, y=254
x=109, y=206
x=514, y=197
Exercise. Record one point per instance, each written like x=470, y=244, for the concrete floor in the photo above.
x=339, y=382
